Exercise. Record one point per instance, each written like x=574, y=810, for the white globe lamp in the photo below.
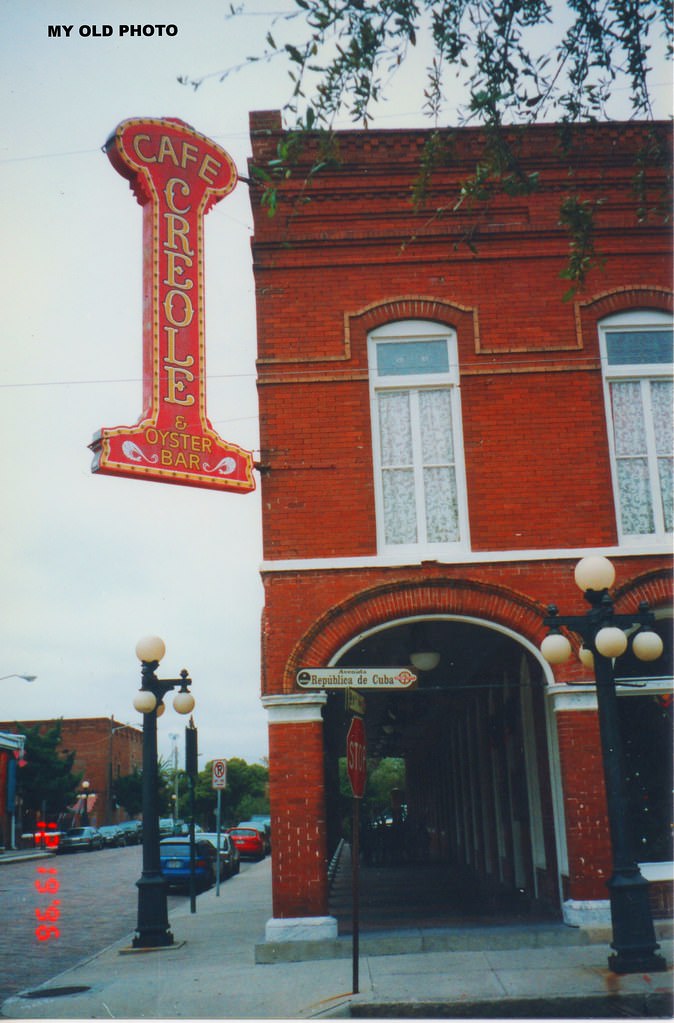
x=556, y=648
x=611, y=641
x=647, y=645
x=594, y=573
x=183, y=703
x=150, y=648
x=586, y=657
x=144, y=702
x=425, y=660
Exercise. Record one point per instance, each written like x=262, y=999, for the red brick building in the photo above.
x=104, y=750
x=11, y=753
x=443, y=437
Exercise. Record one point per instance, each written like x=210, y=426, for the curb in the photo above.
x=19, y=856
x=650, y=1005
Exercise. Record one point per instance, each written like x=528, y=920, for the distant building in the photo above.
x=11, y=752
x=104, y=749
x=443, y=437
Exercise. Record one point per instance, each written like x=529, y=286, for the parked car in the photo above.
x=261, y=825
x=263, y=819
x=80, y=838
x=229, y=854
x=249, y=841
x=112, y=835
x=133, y=831
x=167, y=827
x=174, y=858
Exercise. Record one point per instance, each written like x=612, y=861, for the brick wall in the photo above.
x=584, y=804
x=346, y=252
x=297, y=804
x=339, y=259
x=310, y=615
x=104, y=749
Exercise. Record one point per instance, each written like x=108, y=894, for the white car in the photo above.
x=229, y=854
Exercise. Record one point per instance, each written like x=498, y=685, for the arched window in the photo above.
x=417, y=441
x=636, y=350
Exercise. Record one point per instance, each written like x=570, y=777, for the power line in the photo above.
x=299, y=372
x=121, y=380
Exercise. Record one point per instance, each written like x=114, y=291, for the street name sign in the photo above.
x=357, y=678
x=354, y=701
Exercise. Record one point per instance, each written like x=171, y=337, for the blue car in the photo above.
x=174, y=855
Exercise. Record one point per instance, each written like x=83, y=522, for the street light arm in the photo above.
x=600, y=615
x=26, y=678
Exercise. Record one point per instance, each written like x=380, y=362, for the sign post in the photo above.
x=356, y=768
x=191, y=769
x=218, y=782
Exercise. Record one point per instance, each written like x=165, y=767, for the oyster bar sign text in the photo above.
x=177, y=176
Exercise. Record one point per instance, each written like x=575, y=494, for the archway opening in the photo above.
x=468, y=832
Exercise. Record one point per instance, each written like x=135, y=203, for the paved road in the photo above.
x=97, y=905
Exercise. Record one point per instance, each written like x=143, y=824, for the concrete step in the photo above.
x=441, y=939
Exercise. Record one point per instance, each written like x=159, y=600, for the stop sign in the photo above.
x=356, y=761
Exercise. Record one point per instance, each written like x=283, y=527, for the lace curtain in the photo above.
x=630, y=401
x=417, y=453
x=662, y=404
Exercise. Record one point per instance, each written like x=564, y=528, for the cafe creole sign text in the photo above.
x=358, y=678
x=177, y=176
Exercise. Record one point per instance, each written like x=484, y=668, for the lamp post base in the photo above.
x=636, y=962
x=153, y=930
x=634, y=938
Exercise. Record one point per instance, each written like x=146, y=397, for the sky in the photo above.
x=89, y=564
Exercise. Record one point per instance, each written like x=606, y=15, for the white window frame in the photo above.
x=410, y=331
x=638, y=319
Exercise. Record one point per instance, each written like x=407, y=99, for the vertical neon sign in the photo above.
x=177, y=176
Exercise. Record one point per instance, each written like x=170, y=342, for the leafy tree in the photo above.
x=383, y=776
x=388, y=774
x=128, y=792
x=245, y=794
x=246, y=791
x=47, y=783
x=511, y=62
x=517, y=60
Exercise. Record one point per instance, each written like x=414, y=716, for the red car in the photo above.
x=249, y=842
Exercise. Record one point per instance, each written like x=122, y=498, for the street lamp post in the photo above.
x=174, y=798
x=26, y=678
x=153, y=929
x=84, y=809
x=604, y=638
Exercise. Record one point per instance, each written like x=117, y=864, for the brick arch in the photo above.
x=655, y=586
x=464, y=319
x=618, y=300
x=367, y=609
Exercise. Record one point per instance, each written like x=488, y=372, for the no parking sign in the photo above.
x=219, y=774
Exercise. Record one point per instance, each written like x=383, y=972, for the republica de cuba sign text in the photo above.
x=356, y=678
x=177, y=176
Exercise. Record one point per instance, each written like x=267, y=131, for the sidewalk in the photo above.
x=15, y=855
x=211, y=972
